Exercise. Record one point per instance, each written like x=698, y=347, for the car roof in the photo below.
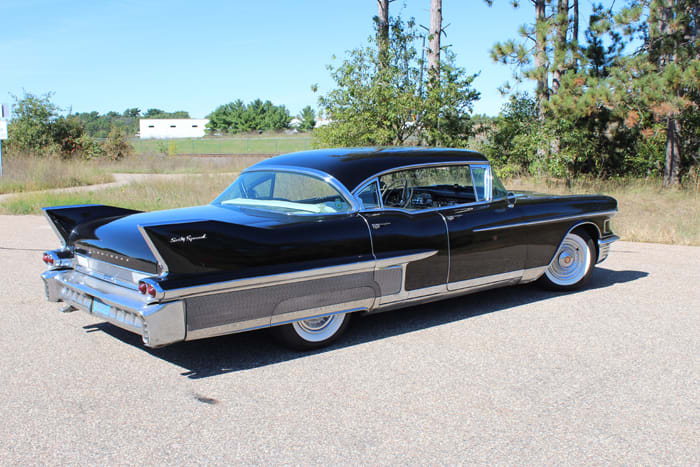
x=352, y=166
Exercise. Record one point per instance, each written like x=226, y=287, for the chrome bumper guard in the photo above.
x=604, y=247
x=158, y=324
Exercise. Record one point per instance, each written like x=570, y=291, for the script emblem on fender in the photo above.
x=187, y=239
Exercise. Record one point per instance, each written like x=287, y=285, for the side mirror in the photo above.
x=510, y=199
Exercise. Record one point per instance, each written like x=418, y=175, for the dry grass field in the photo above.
x=35, y=173
x=647, y=213
x=144, y=196
x=26, y=174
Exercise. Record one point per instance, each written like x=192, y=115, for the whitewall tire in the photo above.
x=312, y=333
x=572, y=264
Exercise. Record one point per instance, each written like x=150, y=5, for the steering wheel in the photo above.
x=405, y=196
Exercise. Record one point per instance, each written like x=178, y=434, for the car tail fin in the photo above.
x=63, y=219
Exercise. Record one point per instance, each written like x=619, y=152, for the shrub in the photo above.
x=116, y=146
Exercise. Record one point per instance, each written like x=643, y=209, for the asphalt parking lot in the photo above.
x=610, y=374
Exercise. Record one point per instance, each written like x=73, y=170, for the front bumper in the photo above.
x=604, y=247
x=158, y=324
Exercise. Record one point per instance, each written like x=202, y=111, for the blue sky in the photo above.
x=183, y=55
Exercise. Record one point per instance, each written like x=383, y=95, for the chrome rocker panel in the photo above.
x=163, y=323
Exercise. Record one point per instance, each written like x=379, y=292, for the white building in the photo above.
x=172, y=127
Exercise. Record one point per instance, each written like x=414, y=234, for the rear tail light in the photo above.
x=47, y=258
x=147, y=289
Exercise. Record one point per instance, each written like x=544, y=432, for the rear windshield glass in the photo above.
x=287, y=192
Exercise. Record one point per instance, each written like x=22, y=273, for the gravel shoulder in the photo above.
x=610, y=374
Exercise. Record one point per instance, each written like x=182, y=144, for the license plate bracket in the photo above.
x=100, y=308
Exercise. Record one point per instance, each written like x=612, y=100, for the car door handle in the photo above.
x=380, y=225
x=453, y=217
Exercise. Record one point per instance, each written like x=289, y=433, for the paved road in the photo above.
x=610, y=374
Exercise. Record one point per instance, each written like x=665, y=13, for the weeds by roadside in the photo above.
x=646, y=213
x=27, y=173
x=144, y=196
x=40, y=173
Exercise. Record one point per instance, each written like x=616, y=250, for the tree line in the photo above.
x=614, y=94
x=624, y=100
x=39, y=128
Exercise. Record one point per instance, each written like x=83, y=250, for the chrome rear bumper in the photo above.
x=158, y=324
x=604, y=247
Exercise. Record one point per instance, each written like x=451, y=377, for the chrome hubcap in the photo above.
x=315, y=324
x=565, y=259
x=571, y=262
x=320, y=328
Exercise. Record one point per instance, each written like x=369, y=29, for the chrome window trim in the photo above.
x=364, y=185
x=375, y=178
x=418, y=166
x=422, y=211
x=319, y=174
x=356, y=195
x=488, y=194
x=548, y=221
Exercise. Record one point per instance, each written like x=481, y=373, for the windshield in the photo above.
x=288, y=192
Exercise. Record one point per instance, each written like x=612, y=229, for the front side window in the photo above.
x=480, y=176
x=428, y=187
x=288, y=192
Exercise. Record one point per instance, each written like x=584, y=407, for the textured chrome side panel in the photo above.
x=222, y=309
x=294, y=277
x=389, y=280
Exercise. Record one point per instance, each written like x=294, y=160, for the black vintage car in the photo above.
x=302, y=241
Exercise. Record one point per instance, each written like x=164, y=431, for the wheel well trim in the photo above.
x=585, y=225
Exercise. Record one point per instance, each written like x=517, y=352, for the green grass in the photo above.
x=224, y=145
